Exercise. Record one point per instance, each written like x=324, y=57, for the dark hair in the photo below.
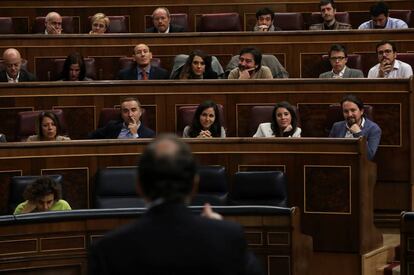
x=338, y=48
x=265, y=11
x=167, y=175
x=294, y=122
x=353, y=99
x=55, y=120
x=129, y=98
x=378, y=9
x=187, y=71
x=257, y=55
x=196, y=127
x=73, y=58
x=326, y=2
x=383, y=42
x=41, y=187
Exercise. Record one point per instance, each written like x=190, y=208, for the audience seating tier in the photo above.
x=391, y=99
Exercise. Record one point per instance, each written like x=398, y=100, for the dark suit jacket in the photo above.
x=349, y=73
x=24, y=76
x=132, y=73
x=173, y=28
x=113, y=128
x=371, y=131
x=169, y=239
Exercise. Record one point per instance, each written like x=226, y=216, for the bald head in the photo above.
x=13, y=62
x=53, y=23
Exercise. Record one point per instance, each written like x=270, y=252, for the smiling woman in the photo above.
x=206, y=122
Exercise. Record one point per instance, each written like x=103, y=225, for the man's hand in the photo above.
x=133, y=126
x=209, y=213
x=245, y=74
x=263, y=28
x=30, y=207
x=355, y=128
x=384, y=68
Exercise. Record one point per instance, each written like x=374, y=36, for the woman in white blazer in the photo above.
x=284, y=123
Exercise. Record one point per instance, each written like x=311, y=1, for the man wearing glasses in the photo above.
x=338, y=59
x=250, y=66
x=389, y=66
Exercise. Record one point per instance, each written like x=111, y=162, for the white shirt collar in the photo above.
x=341, y=73
x=12, y=80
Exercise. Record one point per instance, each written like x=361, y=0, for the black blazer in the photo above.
x=169, y=239
x=132, y=73
x=113, y=128
x=24, y=76
x=173, y=28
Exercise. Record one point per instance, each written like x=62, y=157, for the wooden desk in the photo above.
x=330, y=180
x=58, y=242
x=300, y=52
x=392, y=101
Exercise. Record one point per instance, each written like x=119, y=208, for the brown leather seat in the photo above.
x=118, y=23
x=185, y=115
x=58, y=67
x=220, y=22
x=407, y=58
x=404, y=15
x=6, y=25
x=263, y=113
x=67, y=24
x=334, y=114
x=26, y=123
x=288, y=21
x=108, y=114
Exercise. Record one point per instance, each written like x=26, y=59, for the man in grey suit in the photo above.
x=338, y=58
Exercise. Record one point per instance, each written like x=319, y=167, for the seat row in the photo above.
x=26, y=121
x=215, y=22
x=115, y=188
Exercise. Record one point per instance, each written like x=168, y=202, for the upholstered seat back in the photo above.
x=89, y=66
x=19, y=183
x=259, y=188
x=334, y=114
x=220, y=22
x=115, y=188
x=26, y=123
x=212, y=187
x=288, y=21
x=6, y=25
x=185, y=115
x=67, y=24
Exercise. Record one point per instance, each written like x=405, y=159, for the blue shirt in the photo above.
x=392, y=23
x=147, y=70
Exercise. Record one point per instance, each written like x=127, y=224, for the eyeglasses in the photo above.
x=387, y=51
x=337, y=58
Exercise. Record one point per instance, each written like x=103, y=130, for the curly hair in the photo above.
x=196, y=126
x=294, y=121
x=41, y=187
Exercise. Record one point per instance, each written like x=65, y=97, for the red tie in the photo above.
x=144, y=75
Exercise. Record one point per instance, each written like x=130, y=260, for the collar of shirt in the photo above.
x=147, y=70
x=11, y=79
x=340, y=75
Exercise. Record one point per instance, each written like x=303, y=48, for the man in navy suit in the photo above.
x=13, y=72
x=162, y=22
x=169, y=238
x=142, y=68
x=128, y=126
x=356, y=125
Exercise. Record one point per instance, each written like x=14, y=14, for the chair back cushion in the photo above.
x=89, y=66
x=289, y=20
x=26, y=123
x=212, y=187
x=407, y=58
x=185, y=115
x=19, y=183
x=220, y=22
x=67, y=24
x=259, y=188
x=116, y=188
x=354, y=62
x=404, y=15
x=6, y=25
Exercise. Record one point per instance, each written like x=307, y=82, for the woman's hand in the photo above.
x=204, y=134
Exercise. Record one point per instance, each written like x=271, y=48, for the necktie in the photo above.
x=144, y=75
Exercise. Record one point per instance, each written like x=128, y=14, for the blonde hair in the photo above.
x=101, y=16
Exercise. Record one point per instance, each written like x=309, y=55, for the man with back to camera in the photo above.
x=250, y=67
x=389, y=66
x=338, y=58
x=161, y=19
x=128, y=126
x=169, y=238
x=53, y=23
x=380, y=19
x=13, y=72
x=356, y=125
x=142, y=68
x=265, y=21
x=328, y=11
